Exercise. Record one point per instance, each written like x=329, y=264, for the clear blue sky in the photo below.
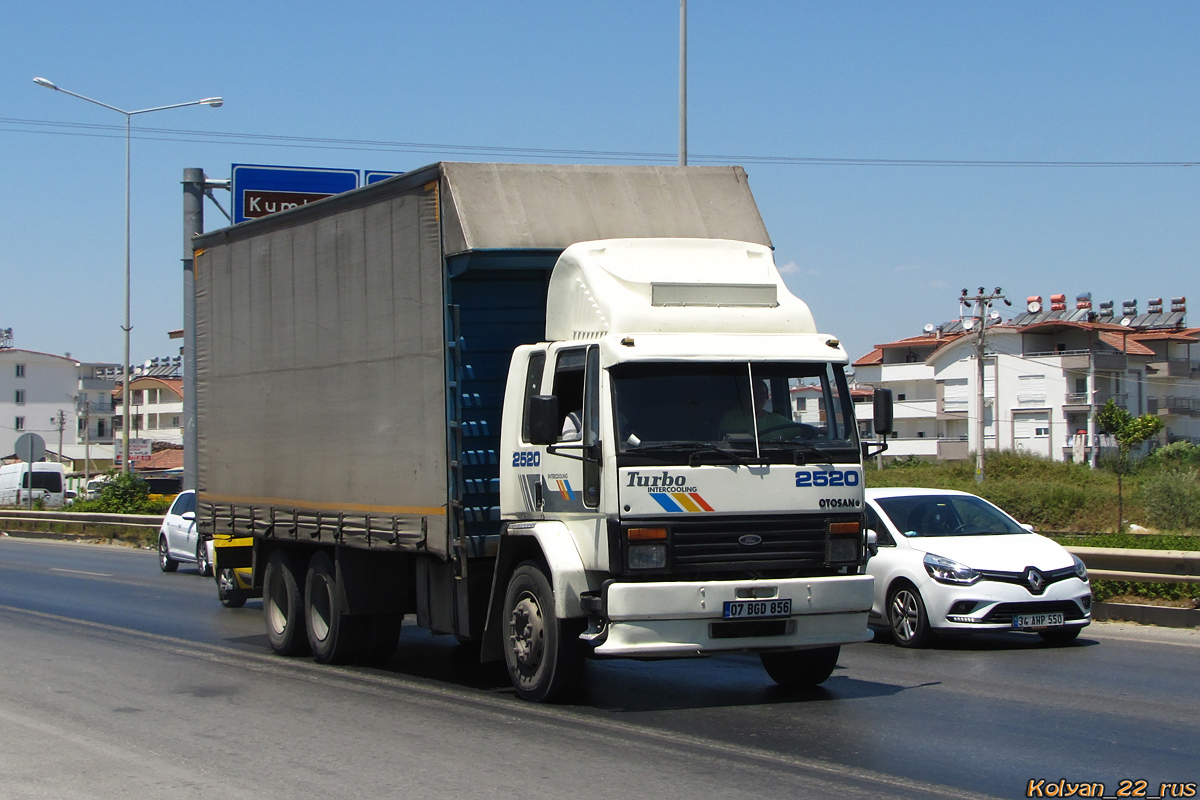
x=877, y=251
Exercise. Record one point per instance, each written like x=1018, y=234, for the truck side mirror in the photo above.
x=544, y=422
x=883, y=411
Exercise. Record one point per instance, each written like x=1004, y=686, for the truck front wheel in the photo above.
x=543, y=654
x=283, y=606
x=801, y=669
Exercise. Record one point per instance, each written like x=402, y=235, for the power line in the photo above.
x=13, y=125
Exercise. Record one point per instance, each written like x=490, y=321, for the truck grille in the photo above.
x=794, y=542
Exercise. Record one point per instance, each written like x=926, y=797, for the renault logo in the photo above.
x=750, y=540
x=1035, y=579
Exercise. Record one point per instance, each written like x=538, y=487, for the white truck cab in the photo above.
x=714, y=500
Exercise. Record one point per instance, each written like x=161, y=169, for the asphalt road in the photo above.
x=119, y=680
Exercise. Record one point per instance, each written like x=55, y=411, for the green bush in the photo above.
x=1172, y=499
x=1174, y=455
x=1105, y=590
x=124, y=494
x=1135, y=541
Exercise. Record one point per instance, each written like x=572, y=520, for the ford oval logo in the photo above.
x=750, y=540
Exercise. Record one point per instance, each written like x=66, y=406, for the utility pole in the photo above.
x=59, y=419
x=980, y=304
x=87, y=444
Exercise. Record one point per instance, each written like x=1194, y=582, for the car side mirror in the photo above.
x=190, y=516
x=872, y=542
x=544, y=422
x=1027, y=527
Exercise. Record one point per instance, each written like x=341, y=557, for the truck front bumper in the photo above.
x=677, y=618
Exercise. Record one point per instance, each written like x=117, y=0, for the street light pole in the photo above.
x=683, y=83
x=213, y=102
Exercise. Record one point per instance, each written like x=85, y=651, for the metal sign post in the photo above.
x=30, y=448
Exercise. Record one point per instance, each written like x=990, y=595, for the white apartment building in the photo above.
x=156, y=397
x=1045, y=375
x=54, y=397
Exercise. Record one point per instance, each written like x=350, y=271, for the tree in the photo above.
x=1130, y=432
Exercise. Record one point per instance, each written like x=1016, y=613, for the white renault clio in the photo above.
x=952, y=562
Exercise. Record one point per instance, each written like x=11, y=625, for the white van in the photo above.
x=48, y=484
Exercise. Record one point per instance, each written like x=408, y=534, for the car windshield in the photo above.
x=946, y=515
x=732, y=412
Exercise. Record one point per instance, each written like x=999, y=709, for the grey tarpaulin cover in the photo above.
x=320, y=331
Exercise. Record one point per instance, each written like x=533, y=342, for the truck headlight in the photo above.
x=647, y=556
x=947, y=570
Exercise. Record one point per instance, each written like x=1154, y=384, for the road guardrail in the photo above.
x=1140, y=566
x=8, y=515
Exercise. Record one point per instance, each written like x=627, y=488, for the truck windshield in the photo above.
x=732, y=412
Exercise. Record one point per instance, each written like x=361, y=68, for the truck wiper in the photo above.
x=798, y=448
x=697, y=447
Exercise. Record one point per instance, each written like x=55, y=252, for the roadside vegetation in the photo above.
x=122, y=494
x=1161, y=490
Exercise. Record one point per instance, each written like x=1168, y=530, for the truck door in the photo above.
x=571, y=474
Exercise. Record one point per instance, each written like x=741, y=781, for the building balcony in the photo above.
x=1173, y=368
x=1078, y=401
x=953, y=449
x=1170, y=405
x=915, y=409
x=1083, y=360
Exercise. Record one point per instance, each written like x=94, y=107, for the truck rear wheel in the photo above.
x=283, y=606
x=543, y=653
x=335, y=636
x=801, y=669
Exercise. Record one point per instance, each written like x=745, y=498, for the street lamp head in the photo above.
x=215, y=102
x=46, y=83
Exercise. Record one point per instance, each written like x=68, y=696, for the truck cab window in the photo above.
x=533, y=387
x=568, y=388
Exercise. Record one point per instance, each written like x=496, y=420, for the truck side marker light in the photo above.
x=843, y=527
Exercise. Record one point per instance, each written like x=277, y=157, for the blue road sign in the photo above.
x=259, y=190
x=375, y=176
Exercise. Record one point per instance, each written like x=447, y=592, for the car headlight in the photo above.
x=946, y=570
x=1080, y=568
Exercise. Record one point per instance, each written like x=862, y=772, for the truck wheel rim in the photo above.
x=277, y=617
x=320, y=611
x=528, y=633
x=225, y=580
